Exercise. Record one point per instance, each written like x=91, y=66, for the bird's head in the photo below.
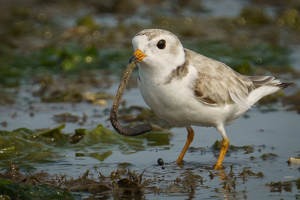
x=157, y=48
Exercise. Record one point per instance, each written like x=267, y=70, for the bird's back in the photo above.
x=219, y=85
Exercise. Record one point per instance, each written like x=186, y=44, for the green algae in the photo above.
x=217, y=146
x=44, y=191
x=248, y=172
x=15, y=185
x=29, y=146
x=269, y=156
x=254, y=16
x=289, y=18
x=88, y=21
x=70, y=59
x=280, y=186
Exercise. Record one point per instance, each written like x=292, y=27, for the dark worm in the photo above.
x=138, y=130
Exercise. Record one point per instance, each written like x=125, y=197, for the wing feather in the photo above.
x=218, y=84
x=263, y=80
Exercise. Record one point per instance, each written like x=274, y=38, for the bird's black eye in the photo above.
x=161, y=44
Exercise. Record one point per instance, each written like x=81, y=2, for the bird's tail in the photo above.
x=284, y=85
x=264, y=85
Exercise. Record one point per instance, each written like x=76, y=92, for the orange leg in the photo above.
x=190, y=138
x=224, y=147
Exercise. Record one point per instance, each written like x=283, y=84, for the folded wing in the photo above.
x=218, y=84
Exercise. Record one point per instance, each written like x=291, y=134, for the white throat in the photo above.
x=158, y=70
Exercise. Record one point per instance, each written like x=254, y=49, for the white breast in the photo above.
x=176, y=102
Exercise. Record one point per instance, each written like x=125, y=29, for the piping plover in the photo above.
x=186, y=88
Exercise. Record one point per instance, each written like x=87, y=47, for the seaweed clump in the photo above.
x=43, y=185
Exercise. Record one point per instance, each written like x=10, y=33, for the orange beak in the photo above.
x=137, y=56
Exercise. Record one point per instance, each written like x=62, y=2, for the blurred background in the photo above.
x=41, y=39
x=61, y=63
x=59, y=51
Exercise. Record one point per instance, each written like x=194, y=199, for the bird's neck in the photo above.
x=160, y=71
x=159, y=75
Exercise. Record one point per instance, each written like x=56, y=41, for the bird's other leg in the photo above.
x=190, y=138
x=224, y=147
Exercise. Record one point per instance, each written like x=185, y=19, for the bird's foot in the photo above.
x=178, y=162
x=219, y=167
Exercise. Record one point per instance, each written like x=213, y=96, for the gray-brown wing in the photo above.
x=217, y=83
x=263, y=80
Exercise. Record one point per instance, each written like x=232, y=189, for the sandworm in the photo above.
x=138, y=130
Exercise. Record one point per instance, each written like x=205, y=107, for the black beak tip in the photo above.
x=133, y=59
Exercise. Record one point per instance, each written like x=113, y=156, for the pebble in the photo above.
x=160, y=161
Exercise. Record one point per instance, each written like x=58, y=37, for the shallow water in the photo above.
x=224, y=8
x=272, y=132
